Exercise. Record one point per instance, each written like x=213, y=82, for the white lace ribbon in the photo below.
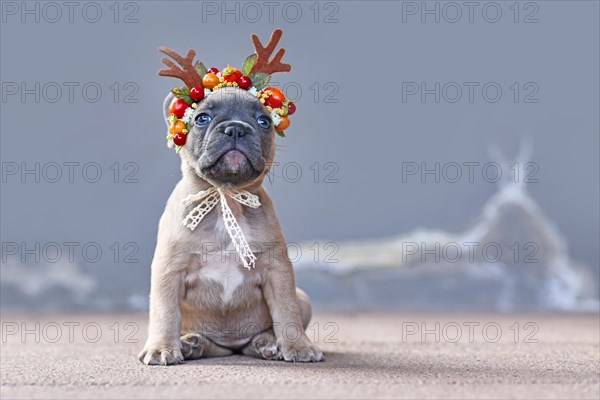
x=208, y=200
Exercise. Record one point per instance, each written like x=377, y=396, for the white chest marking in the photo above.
x=225, y=272
x=223, y=266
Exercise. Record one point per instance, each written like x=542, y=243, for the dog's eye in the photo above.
x=264, y=122
x=203, y=119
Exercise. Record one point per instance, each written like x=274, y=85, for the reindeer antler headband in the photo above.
x=201, y=82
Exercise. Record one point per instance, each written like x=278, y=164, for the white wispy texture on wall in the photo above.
x=535, y=270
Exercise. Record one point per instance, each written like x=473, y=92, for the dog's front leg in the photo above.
x=163, y=346
x=279, y=290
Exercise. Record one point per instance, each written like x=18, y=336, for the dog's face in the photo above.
x=231, y=140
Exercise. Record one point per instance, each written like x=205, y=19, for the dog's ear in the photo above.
x=166, y=115
x=166, y=103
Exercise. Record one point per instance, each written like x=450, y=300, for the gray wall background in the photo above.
x=368, y=133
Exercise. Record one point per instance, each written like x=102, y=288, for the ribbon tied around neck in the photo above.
x=208, y=199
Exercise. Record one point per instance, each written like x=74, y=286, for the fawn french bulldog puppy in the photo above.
x=203, y=301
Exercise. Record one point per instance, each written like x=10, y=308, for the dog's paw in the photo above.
x=301, y=350
x=161, y=355
x=192, y=346
x=264, y=345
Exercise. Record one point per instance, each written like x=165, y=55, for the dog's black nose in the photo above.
x=235, y=130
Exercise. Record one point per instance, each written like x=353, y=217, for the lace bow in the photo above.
x=208, y=200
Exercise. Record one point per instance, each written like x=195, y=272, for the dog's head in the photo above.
x=231, y=139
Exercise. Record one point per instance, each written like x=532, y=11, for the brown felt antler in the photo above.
x=263, y=53
x=187, y=73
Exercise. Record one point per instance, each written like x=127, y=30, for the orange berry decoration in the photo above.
x=276, y=91
x=284, y=124
x=210, y=80
x=177, y=127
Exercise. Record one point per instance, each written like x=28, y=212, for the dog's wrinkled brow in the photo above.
x=206, y=106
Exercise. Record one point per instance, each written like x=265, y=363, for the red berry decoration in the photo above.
x=237, y=74
x=274, y=101
x=213, y=70
x=179, y=139
x=178, y=107
x=197, y=93
x=291, y=108
x=244, y=82
x=231, y=74
x=233, y=77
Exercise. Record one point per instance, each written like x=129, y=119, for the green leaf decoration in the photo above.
x=181, y=90
x=182, y=93
x=259, y=80
x=178, y=149
x=200, y=69
x=248, y=64
x=280, y=133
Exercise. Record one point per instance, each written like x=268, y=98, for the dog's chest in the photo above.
x=219, y=271
x=226, y=274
